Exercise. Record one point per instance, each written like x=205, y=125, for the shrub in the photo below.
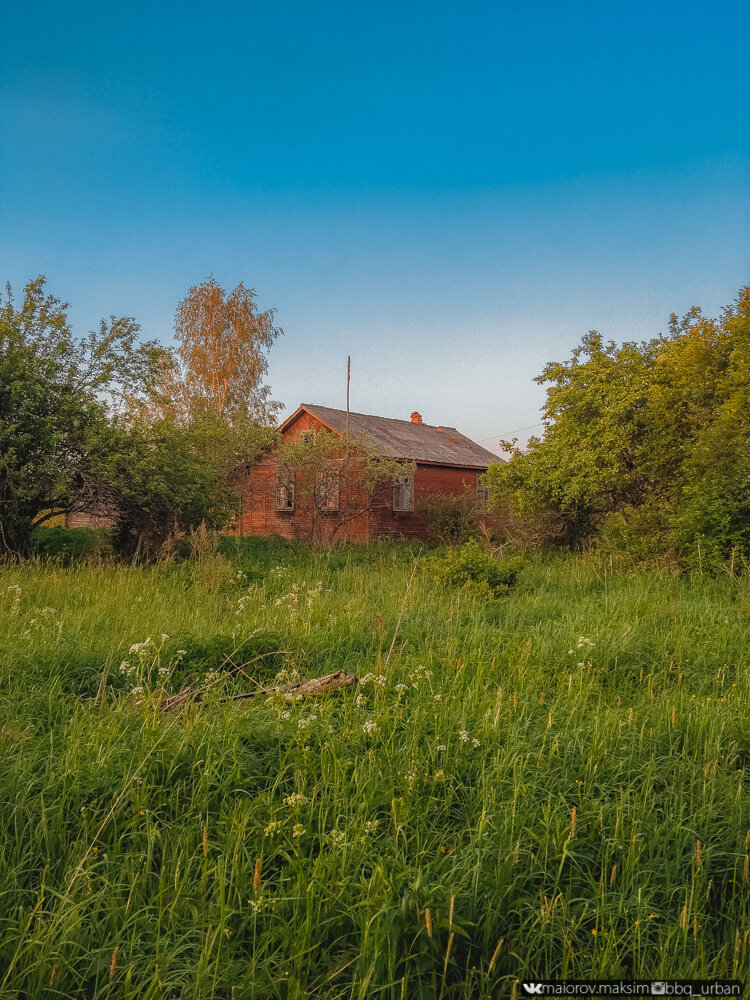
x=641, y=532
x=472, y=567
x=67, y=545
x=452, y=520
x=713, y=524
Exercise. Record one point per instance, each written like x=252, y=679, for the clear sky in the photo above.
x=452, y=193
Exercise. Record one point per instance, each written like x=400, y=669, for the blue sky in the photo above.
x=452, y=193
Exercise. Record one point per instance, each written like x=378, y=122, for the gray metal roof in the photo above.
x=404, y=439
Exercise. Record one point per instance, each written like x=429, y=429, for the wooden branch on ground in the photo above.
x=300, y=689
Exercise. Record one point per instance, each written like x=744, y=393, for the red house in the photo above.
x=444, y=461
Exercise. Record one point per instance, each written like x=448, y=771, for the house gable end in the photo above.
x=300, y=421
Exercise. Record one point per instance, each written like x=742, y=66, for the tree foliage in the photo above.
x=56, y=393
x=84, y=424
x=221, y=359
x=159, y=479
x=649, y=440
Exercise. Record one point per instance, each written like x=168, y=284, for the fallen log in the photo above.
x=300, y=689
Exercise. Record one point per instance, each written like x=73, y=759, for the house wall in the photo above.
x=258, y=516
x=304, y=422
x=428, y=479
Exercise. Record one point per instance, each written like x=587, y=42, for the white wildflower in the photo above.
x=370, y=726
x=295, y=799
x=464, y=736
x=272, y=829
x=298, y=830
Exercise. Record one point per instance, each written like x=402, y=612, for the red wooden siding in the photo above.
x=258, y=516
x=428, y=479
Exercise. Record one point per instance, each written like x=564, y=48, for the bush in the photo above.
x=641, y=532
x=452, y=520
x=473, y=568
x=713, y=524
x=67, y=545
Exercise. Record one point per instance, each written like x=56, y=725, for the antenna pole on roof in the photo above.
x=348, y=376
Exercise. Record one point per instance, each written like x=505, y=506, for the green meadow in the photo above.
x=551, y=784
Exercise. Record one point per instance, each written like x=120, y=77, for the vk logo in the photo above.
x=532, y=988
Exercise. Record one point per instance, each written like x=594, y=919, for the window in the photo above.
x=327, y=490
x=483, y=493
x=307, y=438
x=283, y=492
x=403, y=493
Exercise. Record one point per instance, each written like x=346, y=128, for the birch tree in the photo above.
x=221, y=359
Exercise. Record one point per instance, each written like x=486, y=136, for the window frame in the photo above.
x=483, y=494
x=285, y=482
x=399, y=482
x=328, y=491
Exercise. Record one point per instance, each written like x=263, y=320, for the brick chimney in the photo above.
x=416, y=418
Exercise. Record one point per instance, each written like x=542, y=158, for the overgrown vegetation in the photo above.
x=551, y=784
x=68, y=545
x=85, y=425
x=452, y=520
x=474, y=568
x=335, y=482
x=647, y=446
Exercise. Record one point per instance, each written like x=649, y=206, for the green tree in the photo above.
x=596, y=423
x=160, y=479
x=650, y=437
x=56, y=393
x=715, y=509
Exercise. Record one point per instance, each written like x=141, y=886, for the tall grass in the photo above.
x=547, y=785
